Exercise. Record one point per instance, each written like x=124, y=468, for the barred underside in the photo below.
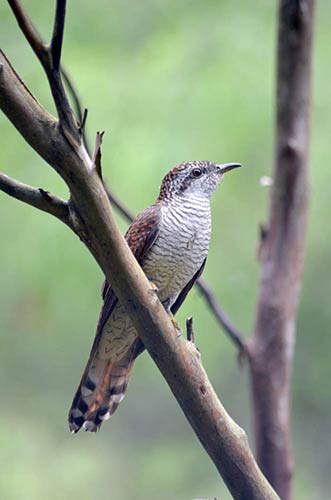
x=181, y=247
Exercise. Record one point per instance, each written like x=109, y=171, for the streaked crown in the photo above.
x=199, y=178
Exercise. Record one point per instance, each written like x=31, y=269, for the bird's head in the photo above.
x=196, y=178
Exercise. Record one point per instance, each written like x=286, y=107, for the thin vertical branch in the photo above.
x=53, y=72
x=50, y=57
x=282, y=249
x=29, y=31
x=58, y=30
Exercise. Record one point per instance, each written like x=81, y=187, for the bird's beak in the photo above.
x=228, y=166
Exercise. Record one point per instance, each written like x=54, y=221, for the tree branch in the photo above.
x=222, y=318
x=115, y=201
x=73, y=92
x=177, y=359
x=46, y=55
x=189, y=330
x=97, y=153
x=282, y=248
x=29, y=31
x=38, y=198
x=17, y=102
x=119, y=205
x=80, y=113
x=58, y=30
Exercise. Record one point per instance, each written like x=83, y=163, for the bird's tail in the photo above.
x=102, y=388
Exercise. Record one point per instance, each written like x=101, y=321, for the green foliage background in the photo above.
x=168, y=81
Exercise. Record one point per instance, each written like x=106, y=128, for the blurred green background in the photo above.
x=168, y=81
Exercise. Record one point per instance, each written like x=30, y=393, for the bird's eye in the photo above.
x=196, y=172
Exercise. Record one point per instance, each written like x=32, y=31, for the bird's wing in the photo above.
x=140, y=237
x=182, y=296
x=105, y=379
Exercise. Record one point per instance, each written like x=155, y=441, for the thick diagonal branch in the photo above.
x=223, y=440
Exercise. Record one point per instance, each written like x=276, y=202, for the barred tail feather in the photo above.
x=102, y=388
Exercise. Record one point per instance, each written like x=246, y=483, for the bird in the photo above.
x=170, y=240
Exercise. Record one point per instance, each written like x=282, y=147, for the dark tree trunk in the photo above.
x=282, y=249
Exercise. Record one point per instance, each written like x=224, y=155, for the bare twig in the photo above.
x=83, y=120
x=53, y=73
x=222, y=318
x=58, y=30
x=74, y=95
x=97, y=153
x=31, y=34
x=189, y=329
x=119, y=205
x=38, y=198
x=80, y=113
x=49, y=56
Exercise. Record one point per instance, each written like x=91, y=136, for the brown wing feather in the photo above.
x=94, y=403
x=140, y=237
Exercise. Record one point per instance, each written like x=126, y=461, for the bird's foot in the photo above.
x=178, y=329
x=154, y=288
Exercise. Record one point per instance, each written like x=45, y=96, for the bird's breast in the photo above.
x=181, y=247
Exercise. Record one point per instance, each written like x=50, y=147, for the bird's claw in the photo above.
x=154, y=288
